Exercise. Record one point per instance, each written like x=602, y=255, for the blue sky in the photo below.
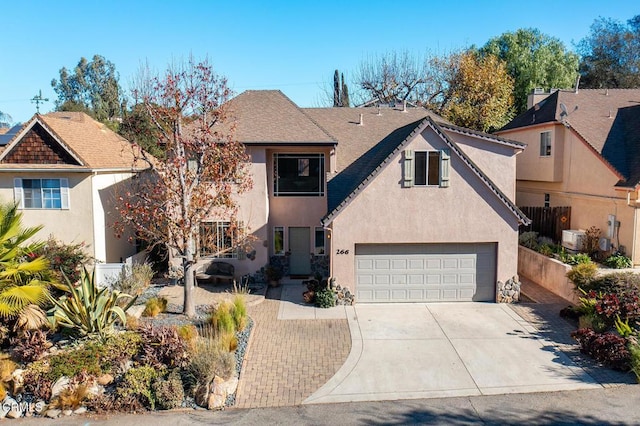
x=293, y=46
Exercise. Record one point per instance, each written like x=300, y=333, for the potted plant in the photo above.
x=175, y=274
x=273, y=275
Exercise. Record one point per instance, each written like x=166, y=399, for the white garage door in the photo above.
x=425, y=272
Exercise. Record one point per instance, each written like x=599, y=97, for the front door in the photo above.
x=299, y=245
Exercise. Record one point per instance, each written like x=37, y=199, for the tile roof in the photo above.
x=269, y=117
x=607, y=119
x=92, y=143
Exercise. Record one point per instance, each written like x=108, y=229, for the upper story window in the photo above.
x=298, y=175
x=545, y=144
x=41, y=193
x=426, y=168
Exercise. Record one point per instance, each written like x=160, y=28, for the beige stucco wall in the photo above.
x=587, y=186
x=74, y=225
x=547, y=272
x=296, y=211
x=533, y=166
x=465, y=212
x=253, y=211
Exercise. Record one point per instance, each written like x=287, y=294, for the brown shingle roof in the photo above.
x=607, y=119
x=91, y=142
x=355, y=140
x=269, y=117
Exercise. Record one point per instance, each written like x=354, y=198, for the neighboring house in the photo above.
x=398, y=205
x=584, y=153
x=63, y=169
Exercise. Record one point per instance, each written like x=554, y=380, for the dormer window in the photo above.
x=545, y=144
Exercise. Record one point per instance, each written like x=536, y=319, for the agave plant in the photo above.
x=23, y=276
x=88, y=309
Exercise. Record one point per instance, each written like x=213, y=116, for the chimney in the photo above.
x=577, y=83
x=361, y=123
x=404, y=106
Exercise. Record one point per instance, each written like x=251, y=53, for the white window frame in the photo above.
x=315, y=241
x=284, y=249
x=302, y=171
x=221, y=229
x=62, y=187
x=546, y=144
x=426, y=169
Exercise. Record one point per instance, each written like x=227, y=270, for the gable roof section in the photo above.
x=605, y=119
x=90, y=143
x=348, y=184
x=268, y=117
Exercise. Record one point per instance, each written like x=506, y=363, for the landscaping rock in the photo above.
x=52, y=414
x=220, y=389
x=509, y=291
x=4, y=409
x=136, y=311
x=15, y=409
x=17, y=381
x=67, y=412
x=105, y=379
x=61, y=384
x=80, y=410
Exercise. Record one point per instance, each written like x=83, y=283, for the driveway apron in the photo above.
x=428, y=350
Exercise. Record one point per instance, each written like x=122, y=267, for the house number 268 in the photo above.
x=342, y=251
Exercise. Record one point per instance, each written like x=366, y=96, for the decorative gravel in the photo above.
x=174, y=317
x=243, y=341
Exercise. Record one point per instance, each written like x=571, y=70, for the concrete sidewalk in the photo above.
x=419, y=350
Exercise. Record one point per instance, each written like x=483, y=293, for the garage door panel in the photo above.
x=382, y=279
x=364, y=264
x=425, y=272
x=382, y=264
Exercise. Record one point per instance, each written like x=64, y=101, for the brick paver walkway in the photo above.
x=545, y=317
x=288, y=360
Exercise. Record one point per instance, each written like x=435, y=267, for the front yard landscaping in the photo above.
x=608, y=313
x=69, y=346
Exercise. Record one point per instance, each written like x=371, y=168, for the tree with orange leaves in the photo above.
x=204, y=169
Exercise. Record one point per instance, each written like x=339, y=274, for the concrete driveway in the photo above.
x=427, y=350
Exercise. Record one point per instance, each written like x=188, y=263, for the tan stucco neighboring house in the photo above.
x=394, y=202
x=63, y=169
x=584, y=152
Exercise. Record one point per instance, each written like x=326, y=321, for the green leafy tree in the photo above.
x=92, y=87
x=344, y=94
x=479, y=93
x=533, y=60
x=340, y=90
x=23, y=275
x=611, y=54
x=137, y=127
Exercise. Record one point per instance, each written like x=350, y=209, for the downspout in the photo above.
x=634, y=205
x=329, y=238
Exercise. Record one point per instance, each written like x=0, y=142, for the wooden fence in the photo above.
x=548, y=221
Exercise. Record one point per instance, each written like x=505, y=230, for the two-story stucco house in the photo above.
x=395, y=203
x=63, y=170
x=584, y=152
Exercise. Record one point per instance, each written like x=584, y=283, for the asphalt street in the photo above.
x=612, y=406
